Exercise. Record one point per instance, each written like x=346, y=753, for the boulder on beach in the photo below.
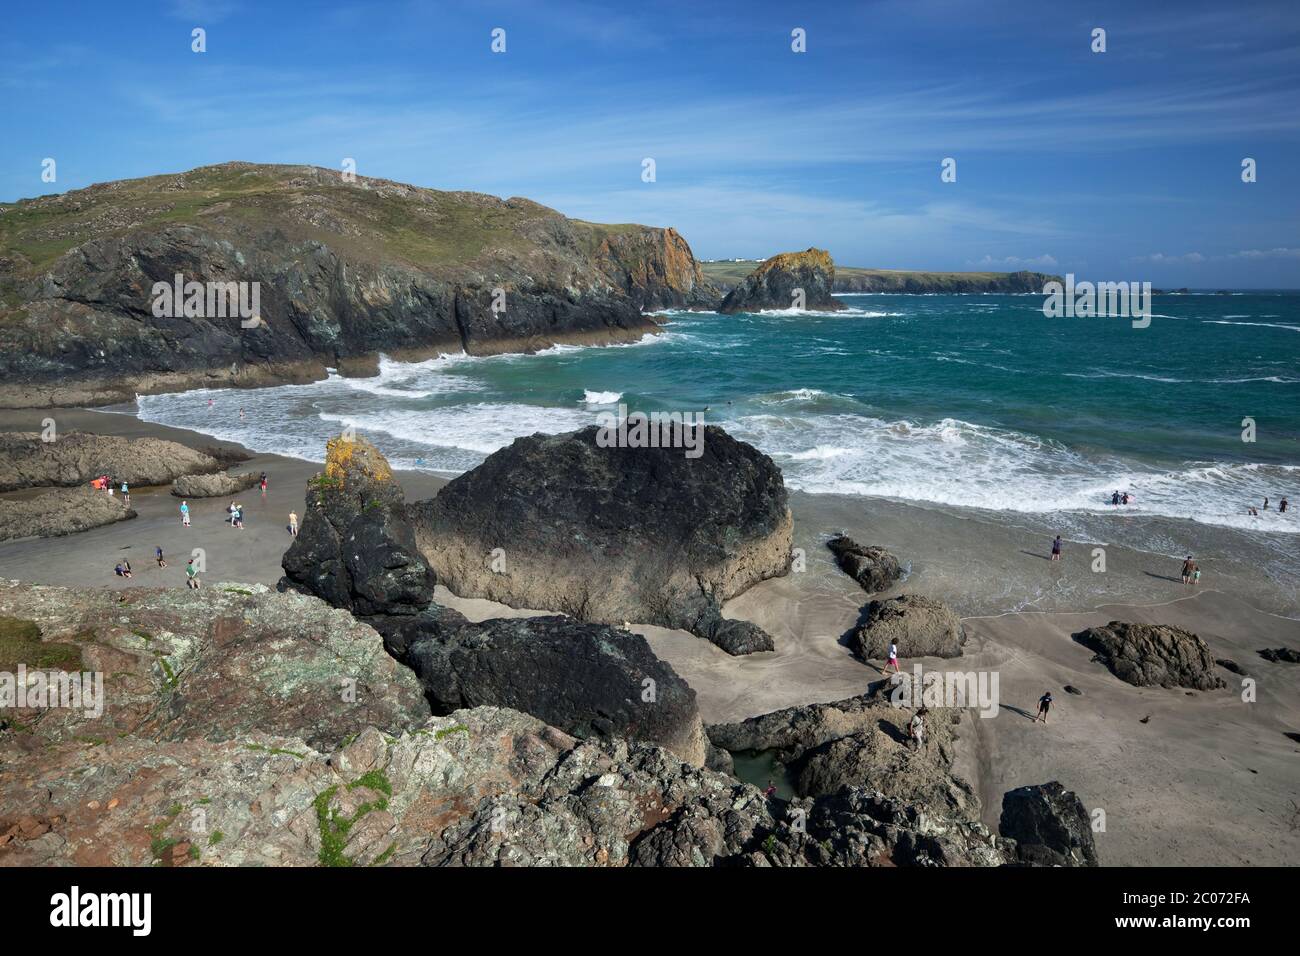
x=920, y=626
x=1281, y=655
x=789, y=280
x=75, y=458
x=1050, y=826
x=615, y=534
x=1153, y=655
x=874, y=568
x=589, y=680
x=355, y=547
x=217, y=485
x=59, y=512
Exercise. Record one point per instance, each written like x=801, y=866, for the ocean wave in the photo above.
x=600, y=398
x=1262, y=325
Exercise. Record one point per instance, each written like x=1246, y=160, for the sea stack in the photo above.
x=789, y=280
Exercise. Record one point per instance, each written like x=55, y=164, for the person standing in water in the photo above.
x=1265, y=503
x=1044, y=705
x=126, y=493
x=1114, y=499
x=1056, y=549
x=293, y=523
x=1282, y=505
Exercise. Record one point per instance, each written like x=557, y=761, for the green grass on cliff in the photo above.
x=731, y=273
x=20, y=643
x=425, y=228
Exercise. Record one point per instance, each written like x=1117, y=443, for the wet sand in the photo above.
x=1208, y=780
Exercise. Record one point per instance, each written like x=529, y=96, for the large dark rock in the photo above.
x=586, y=679
x=1281, y=655
x=920, y=626
x=1050, y=826
x=610, y=534
x=218, y=485
x=875, y=569
x=1153, y=655
x=344, y=270
x=59, y=512
x=781, y=281
x=355, y=546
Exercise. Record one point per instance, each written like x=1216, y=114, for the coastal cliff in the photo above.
x=727, y=275
x=343, y=271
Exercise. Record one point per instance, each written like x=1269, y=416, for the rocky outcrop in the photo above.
x=219, y=663
x=611, y=534
x=1050, y=826
x=344, y=269
x=589, y=680
x=783, y=282
x=875, y=569
x=1281, y=655
x=75, y=458
x=218, y=485
x=727, y=274
x=859, y=742
x=357, y=551
x=481, y=787
x=355, y=547
x=56, y=513
x=920, y=626
x=1153, y=655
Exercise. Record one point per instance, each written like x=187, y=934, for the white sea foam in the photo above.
x=600, y=398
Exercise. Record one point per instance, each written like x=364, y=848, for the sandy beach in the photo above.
x=1207, y=779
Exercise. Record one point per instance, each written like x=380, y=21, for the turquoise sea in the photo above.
x=954, y=401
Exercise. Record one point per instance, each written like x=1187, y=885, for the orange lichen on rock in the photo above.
x=352, y=457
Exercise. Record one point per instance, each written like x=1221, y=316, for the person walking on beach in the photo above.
x=893, y=658
x=1044, y=705
x=1056, y=549
x=237, y=516
x=126, y=493
x=293, y=523
x=1188, y=567
x=185, y=514
x=191, y=576
x=159, y=555
x=263, y=483
x=1196, y=573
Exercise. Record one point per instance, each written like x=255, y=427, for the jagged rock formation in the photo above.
x=859, y=742
x=479, y=787
x=1153, y=655
x=61, y=512
x=610, y=535
x=783, y=281
x=920, y=626
x=344, y=269
x=875, y=569
x=75, y=458
x=1281, y=655
x=218, y=485
x=356, y=549
x=1050, y=826
x=219, y=663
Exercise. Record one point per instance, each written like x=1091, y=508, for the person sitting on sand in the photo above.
x=117, y=569
x=1188, y=567
x=1056, y=549
x=1044, y=705
x=159, y=555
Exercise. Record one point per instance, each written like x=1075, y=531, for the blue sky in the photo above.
x=1117, y=165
